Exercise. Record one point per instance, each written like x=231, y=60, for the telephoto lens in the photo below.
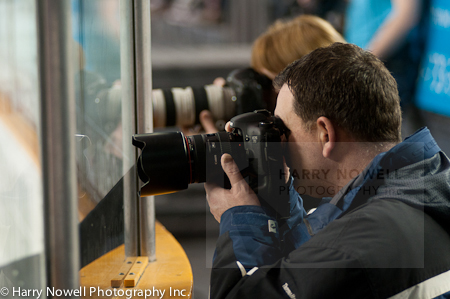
x=182, y=106
x=245, y=91
x=170, y=161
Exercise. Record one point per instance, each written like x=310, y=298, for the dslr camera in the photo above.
x=245, y=90
x=170, y=161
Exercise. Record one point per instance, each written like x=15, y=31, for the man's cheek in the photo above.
x=293, y=156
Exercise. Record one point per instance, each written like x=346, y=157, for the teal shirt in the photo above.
x=364, y=18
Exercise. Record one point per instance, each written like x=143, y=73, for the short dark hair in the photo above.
x=348, y=85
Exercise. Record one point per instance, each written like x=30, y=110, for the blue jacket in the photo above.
x=386, y=234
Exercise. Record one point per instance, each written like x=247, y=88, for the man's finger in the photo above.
x=228, y=127
x=231, y=169
x=219, y=81
x=207, y=121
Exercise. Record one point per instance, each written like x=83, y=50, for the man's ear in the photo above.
x=327, y=135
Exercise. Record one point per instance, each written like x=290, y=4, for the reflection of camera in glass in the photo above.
x=170, y=161
x=245, y=90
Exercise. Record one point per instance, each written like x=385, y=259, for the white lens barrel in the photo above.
x=177, y=106
x=184, y=106
x=159, y=108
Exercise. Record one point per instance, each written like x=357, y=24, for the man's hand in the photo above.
x=206, y=126
x=207, y=121
x=240, y=194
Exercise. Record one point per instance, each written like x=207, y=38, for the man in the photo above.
x=385, y=233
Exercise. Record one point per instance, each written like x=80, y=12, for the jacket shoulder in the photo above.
x=393, y=243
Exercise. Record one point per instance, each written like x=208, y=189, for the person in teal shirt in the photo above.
x=393, y=30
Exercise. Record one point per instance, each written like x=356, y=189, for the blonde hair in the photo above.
x=285, y=42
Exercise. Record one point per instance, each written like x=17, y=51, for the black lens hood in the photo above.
x=163, y=166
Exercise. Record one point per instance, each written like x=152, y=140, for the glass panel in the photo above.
x=21, y=201
x=98, y=98
x=99, y=117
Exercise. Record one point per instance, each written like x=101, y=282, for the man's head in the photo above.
x=349, y=86
x=341, y=107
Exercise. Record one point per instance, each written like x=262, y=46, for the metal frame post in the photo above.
x=58, y=144
x=128, y=81
x=137, y=118
x=144, y=113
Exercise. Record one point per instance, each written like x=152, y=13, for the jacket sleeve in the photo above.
x=248, y=239
x=255, y=235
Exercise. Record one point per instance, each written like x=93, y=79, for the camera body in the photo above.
x=261, y=134
x=169, y=162
x=252, y=90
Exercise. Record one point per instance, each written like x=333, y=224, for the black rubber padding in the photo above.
x=201, y=101
x=171, y=112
